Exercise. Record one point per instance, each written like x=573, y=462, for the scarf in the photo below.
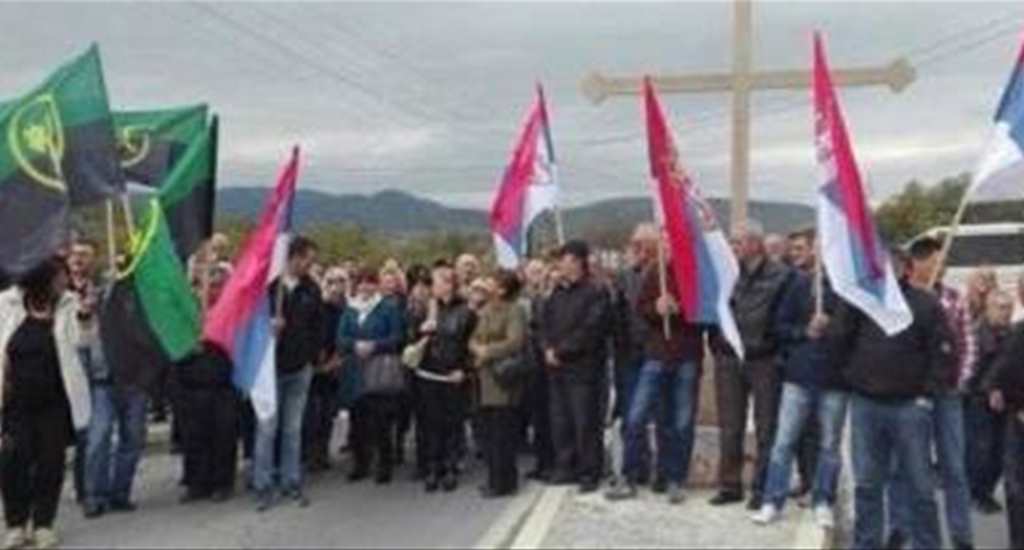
x=364, y=307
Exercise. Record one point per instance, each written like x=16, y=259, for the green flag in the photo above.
x=149, y=316
x=151, y=142
x=57, y=150
x=187, y=195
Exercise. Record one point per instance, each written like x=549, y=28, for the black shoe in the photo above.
x=961, y=545
x=383, y=477
x=93, y=511
x=357, y=475
x=222, y=495
x=123, y=506
x=538, y=475
x=988, y=506
x=896, y=541
x=726, y=497
x=432, y=484
x=298, y=497
x=191, y=496
x=588, y=486
x=660, y=486
x=754, y=504
x=562, y=479
x=450, y=483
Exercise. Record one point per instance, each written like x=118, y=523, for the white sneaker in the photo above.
x=767, y=515
x=45, y=539
x=15, y=538
x=824, y=517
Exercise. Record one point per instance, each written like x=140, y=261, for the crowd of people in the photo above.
x=459, y=366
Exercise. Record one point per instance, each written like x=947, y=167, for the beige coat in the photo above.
x=68, y=334
x=500, y=333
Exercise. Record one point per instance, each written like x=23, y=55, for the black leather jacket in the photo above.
x=448, y=349
x=575, y=323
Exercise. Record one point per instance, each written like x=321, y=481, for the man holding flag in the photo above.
x=890, y=340
x=267, y=299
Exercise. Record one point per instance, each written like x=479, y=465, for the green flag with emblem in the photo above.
x=151, y=142
x=188, y=193
x=149, y=316
x=57, y=151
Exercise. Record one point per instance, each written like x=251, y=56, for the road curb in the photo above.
x=538, y=523
x=508, y=525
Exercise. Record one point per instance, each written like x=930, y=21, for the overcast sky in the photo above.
x=428, y=97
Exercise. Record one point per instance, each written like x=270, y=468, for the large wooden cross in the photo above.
x=742, y=81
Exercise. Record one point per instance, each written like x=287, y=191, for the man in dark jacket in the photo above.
x=298, y=323
x=812, y=392
x=574, y=336
x=1005, y=384
x=893, y=380
x=667, y=383
x=630, y=336
x=755, y=299
x=321, y=406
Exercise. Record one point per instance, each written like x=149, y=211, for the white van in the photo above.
x=998, y=245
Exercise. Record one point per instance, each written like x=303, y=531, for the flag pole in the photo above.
x=663, y=283
x=947, y=242
x=111, y=240
x=129, y=218
x=819, y=278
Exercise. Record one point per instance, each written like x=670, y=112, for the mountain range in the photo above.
x=401, y=213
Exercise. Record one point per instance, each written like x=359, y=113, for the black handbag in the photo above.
x=383, y=375
x=511, y=371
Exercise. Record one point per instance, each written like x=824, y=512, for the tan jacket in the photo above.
x=501, y=333
x=68, y=333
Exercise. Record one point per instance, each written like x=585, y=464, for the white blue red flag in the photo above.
x=240, y=322
x=704, y=266
x=852, y=253
x=528, y=187
x=1000, y=174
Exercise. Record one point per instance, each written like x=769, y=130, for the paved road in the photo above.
x=341, y=515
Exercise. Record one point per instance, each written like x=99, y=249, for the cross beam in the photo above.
x=742, y=81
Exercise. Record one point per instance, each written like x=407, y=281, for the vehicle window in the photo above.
x=975, y=250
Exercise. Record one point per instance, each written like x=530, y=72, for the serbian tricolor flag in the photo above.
x=851, y=251
x=240, y=321
x=702, y=261
x=1000, y=174
x=528, y=187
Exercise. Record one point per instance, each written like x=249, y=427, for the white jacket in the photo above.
x=68, y=335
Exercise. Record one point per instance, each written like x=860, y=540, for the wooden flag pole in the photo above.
x=663, y=282
x=111, y=240
x=819, y=279
x=129, y=218
x=947, y=242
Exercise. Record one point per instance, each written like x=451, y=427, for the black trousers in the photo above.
x=807, y=454
x=1014, y=479
x=500, y=448
x=538, y=398
x=33, y=467
x=442, y=414
x=373, y=424
x=318, y=421
x=209, y=421
x=735, y=383
x=576, y=426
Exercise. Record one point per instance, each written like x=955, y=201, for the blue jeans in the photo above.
x=948, y=431
x=125, y=409
x=627, y=374
x=798, y=404
x=675, y=388
x=292, y=392
x=885, y=432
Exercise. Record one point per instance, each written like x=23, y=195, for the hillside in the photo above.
x=397, y=212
